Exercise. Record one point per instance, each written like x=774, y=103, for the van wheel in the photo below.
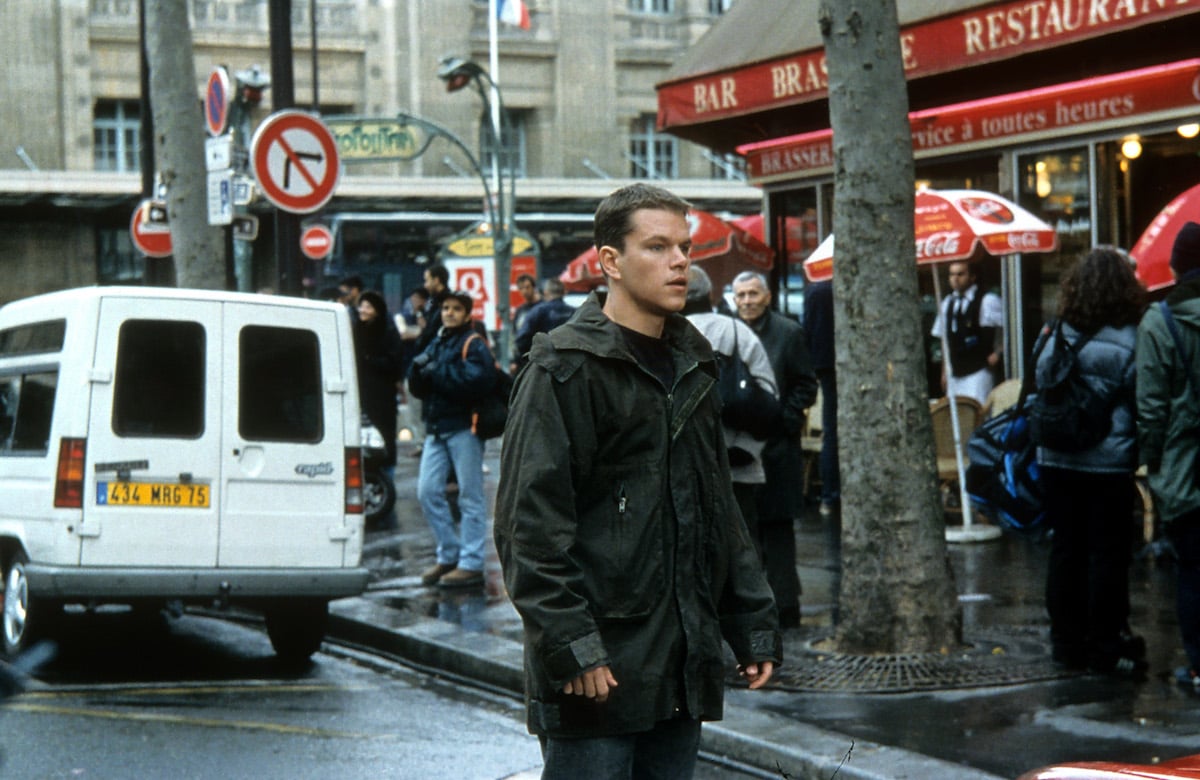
x=296, y=628
x=379, y=496
x=25, y=618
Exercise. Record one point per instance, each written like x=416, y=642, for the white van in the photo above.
x=163, y=445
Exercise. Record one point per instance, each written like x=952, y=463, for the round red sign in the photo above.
x=316, y=242
x=152, y=239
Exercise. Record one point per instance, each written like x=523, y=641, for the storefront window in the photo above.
x=1055, y=186
x=793, y=232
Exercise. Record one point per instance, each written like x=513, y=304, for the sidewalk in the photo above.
x=995, y=710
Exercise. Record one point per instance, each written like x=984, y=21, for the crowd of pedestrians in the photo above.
x=606, y=496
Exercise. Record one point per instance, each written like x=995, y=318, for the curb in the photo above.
x=769, y=742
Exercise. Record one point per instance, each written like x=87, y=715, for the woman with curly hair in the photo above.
x=1089, y=492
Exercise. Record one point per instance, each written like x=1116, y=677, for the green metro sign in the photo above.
x=366, y=139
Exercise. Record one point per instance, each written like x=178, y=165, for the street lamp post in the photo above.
x=457, y=73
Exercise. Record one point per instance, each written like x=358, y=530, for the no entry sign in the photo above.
x=152, y=239
x=295, y=160
x=316, y=242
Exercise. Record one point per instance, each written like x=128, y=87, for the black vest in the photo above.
x=969, y=343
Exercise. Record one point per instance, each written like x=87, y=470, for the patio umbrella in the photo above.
x=1153, y=250
x=722, y=249
x=950, y=226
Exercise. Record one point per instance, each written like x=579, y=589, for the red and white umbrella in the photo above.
x=952, y=225
x=723, y=250
x=1153, y=250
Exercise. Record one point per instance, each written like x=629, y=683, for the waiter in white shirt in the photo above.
x=976, y=322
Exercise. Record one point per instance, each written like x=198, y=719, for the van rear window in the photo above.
x=279, y=385
x=34, y=338
x=159, y=387
x=26, y=410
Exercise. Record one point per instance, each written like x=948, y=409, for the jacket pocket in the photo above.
x=620, y=545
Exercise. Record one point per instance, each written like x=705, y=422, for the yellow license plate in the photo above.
x=164, y=494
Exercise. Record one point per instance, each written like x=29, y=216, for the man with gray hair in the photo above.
x=779, y=501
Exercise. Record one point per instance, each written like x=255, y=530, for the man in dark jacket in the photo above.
x=779, y=500
x=620, y=540
x=544, y=317
x=450, y=376
x=1168, y=412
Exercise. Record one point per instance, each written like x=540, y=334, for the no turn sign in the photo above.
x=316, y=242
x=295, y=160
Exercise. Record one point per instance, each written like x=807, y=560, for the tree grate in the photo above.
x=996, y=658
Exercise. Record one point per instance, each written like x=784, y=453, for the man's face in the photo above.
x=752, y=300
x=527, y=289
x=348, y=295
x=961, y=277
x=432, y=283
x=454, y=313
x=653, y=267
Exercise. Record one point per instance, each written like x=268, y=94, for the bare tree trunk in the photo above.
x=198, y=248
x=897, y=592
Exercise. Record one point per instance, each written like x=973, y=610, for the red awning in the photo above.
x=735, y=77
x=1157, y=93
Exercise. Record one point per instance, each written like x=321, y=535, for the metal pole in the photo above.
x=283, y=95
x=312, y=18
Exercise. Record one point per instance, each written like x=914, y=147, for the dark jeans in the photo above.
x=1184, y=533
x=1087, y=585
x=666, y=752
x=831, y=482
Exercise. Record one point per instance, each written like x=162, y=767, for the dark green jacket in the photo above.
x=1168, y=404
x=618, y=533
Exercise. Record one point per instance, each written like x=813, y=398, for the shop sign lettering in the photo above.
x=938, y=46
x=362, y=140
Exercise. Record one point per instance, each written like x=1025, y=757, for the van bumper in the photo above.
x=65, y=582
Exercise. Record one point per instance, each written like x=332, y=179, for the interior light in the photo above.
x=1190, y=130
x=1131, y=147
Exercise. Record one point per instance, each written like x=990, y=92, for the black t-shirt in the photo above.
x=653, y=353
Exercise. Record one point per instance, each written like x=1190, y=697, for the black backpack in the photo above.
x=1067, y=414
x=745, y=404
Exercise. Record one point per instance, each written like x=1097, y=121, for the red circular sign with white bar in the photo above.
x=295, y=161
x=152, y=239
x=316, y=242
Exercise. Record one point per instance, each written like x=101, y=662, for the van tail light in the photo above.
x=354, y=481
x=68, y=487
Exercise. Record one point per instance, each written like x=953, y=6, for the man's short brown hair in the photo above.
x=614, y=216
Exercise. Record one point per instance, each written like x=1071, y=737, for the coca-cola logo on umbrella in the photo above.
x=987, y=210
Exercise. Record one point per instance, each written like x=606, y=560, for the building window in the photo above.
x=116, y=135
x=512, y=158
x=718, y=7
x=652, y=155
x=727, y=167
x=652, y=6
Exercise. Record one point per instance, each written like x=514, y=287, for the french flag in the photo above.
x=513, y=12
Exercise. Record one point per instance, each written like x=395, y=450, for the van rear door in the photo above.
x=284, y=441
x=154, y=433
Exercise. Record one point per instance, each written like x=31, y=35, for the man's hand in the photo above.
x=757, y=674
x=593, y=684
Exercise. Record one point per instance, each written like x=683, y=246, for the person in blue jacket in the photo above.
x=453, y=373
